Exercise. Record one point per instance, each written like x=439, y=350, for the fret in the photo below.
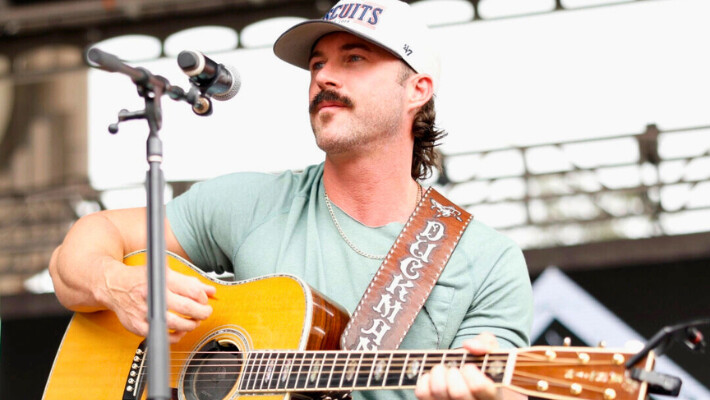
x=362, y=377
x=432, y=359
x=423, y=367
x=273, y=371
x=327, y=370
x=403, y=371
x=352, y=369
x=249, y=371
x=259, y=371
x=286, y=371
x=296, y=367
x=283, y=368
x=377, y=372
x=316, y=366
x=265, y=369
x=413, y=367
x=388, y=363
x=495, y=368
x=485, y=364
x=395, y=369
x=509, y=368
x=454, y=360
x=306, y=364
x=338, y=372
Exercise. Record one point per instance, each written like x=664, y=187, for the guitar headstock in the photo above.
x=576, y=373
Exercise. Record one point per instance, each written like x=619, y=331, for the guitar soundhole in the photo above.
x=213, y=371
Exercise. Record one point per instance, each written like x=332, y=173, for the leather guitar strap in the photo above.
x=407, y=275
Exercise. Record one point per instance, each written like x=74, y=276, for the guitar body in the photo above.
x=273, y=338
x=97, y=354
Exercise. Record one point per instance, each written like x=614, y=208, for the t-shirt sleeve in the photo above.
x=212, y=219
x=503, y=303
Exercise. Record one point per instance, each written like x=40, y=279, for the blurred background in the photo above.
x=580, y=128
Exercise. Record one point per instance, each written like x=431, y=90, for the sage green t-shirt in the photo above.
x=253, y=224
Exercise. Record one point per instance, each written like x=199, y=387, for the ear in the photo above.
x=419, y=91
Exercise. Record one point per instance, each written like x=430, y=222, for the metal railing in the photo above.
x=554, y=197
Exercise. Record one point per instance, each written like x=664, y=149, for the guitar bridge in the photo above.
x=135, y=381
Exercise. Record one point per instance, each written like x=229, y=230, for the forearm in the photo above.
x=79, y=266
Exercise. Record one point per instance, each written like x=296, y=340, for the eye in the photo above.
x=316, y=65
x=355, y=57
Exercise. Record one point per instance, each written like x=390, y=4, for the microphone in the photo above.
x=214, y=80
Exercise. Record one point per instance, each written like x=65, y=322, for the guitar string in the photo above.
x=369, y=365
x=343, y=367
x=282, y=385
x=258, y=367
x=341, y=374
x=327, y=362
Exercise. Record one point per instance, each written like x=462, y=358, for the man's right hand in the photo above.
x=125, y=290
x=88, y=274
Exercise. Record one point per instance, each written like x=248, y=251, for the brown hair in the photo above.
x=424, y=155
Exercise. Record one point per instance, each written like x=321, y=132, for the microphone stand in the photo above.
x=664, y=384
x=151, y=88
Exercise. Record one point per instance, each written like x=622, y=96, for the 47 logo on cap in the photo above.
x=358, y=12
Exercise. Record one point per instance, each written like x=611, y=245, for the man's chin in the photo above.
x=321, y=119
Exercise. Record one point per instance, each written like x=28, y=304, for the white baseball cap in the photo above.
x=390, y=24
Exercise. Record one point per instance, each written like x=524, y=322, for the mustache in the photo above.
x=328, y=95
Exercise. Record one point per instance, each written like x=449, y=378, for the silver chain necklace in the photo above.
x=345, y=237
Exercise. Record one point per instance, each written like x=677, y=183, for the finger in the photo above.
x=422, y=390
x=482, y=344
x=175, y=336
x=188, y=307
x=139, y=328
x=180, y=324
x=478, y=384
x=457, y=387
x=189, y=286
x=437, y=383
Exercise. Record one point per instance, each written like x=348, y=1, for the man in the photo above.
x=373, y=77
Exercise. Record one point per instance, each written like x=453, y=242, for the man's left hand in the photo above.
x=466, y=383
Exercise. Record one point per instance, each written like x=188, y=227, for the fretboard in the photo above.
x=283, y=371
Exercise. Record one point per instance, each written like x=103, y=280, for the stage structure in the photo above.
x=567, y=215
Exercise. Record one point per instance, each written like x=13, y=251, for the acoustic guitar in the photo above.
x=276, y=338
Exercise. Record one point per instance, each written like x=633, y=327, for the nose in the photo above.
x=327, y=77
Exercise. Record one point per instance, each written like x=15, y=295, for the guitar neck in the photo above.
x=560, y=373
x=324, y=371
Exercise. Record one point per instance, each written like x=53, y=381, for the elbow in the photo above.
x=59, y=288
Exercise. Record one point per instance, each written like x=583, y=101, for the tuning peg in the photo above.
x=567, y=342
x=542, y=386
x=550, y=355
x=601, y=344
x=575, y=389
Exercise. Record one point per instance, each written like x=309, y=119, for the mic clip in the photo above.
x=201, y=103
x=658, y=383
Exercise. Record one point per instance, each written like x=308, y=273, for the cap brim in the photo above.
x=295, y=45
